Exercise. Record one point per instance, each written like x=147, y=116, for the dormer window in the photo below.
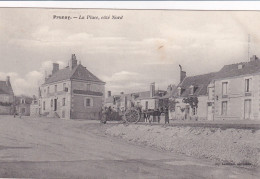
x=180, y=91
x=191, y=90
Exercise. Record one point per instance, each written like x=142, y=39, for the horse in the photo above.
x=155, y=113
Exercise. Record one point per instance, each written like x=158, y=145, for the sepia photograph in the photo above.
x=116, y=93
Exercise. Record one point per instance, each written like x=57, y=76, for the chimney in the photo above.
x=122, y=93
x=253, y=58
x=55, y=68
x=182, y=74
x=169, y=88
x=152, y=89
x=73, y=61
x=108, y=93
x=8, y=81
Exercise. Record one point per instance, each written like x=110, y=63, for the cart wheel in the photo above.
x=132, y=115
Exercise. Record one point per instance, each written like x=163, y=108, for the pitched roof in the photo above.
x=5, y=88
x=233, y=70
x=28, y=99
x=200, y=83
x=170, y=93
x=79, y=72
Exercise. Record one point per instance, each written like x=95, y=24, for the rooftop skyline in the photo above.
x=128, y=54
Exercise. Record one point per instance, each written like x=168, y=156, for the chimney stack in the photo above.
x=55, y=68
x=73, y=61
x=253, y=58
x=8, y=81
x=152, y=89
x=182, y=74
x=108, y=93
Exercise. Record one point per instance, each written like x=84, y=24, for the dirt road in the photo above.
x=51, y=148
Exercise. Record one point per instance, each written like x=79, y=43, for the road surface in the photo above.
x=56, y=148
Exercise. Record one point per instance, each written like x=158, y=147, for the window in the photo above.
x=43, y=105
x=88, y=87
x=55, y=88
x=224, y=108
x=51, y=102
x=248, y=84
x=194, y=111
x=179, y=91
x=88, y=102
x=63, y=101
x=191, y=90
x=210, y=93
x=48, y=90
x=224, y=88
x=64, y=86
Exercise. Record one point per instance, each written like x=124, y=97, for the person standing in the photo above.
x=166, y=113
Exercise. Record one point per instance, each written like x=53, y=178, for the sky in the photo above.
x=144, y=46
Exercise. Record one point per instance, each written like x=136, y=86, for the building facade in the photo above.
x=72, y=93
x=6, y=97
x=191, y=97
x=22, y=105
x=237, y=90
x=146, y=99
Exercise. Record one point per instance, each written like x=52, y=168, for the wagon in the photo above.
x=133, y=115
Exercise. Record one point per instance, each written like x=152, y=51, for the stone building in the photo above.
x=6, y=97
x=72, y=93
x=191, y=97
x=145, y=99
x=236, y=93
x=22, y=105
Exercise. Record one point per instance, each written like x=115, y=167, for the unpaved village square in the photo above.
x=58, y=148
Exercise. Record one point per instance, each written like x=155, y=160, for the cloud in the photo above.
x=29, y=83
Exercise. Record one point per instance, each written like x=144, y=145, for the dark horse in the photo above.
x=150, y=112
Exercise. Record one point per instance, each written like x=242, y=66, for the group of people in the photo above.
x=156, y=114
x=106, y=114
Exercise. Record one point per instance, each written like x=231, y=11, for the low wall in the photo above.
x=225, y=146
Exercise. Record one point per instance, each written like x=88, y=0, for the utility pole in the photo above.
x=248, y=47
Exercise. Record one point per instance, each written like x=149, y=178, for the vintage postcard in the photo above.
x=110, y=93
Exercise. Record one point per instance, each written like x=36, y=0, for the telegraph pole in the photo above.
x=248, y=47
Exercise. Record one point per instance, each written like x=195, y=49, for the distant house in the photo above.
x=191, y=96
x=22, y=105
x=236, y=93
x=112, y=101
x=6, y=97
x=35, y=107
x=71, y=93
x=151, y=99
x=145, y=99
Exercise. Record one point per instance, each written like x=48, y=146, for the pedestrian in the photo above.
x=166, y=113
x=20, y=114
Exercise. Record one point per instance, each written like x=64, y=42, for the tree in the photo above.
x=192, y=101
x=172, y=104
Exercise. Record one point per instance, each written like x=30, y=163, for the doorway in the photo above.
x=247, y=109
x=55, y=104
x=210, y=114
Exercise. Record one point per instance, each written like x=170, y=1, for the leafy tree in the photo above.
x=172, y=104
x=192, y=101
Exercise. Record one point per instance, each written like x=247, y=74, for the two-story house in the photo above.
x=237, y=91
x=191, y=97
x=145, y=99
x=6, y=97
x=72, y=93
x=22, y=104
